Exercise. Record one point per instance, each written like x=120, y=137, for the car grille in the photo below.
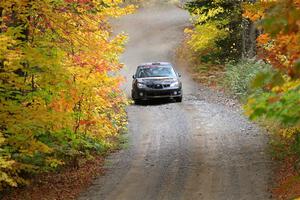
x=158, y=86
x=161, y=93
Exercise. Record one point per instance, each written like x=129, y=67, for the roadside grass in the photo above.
x=123, y=141
x=239, y=77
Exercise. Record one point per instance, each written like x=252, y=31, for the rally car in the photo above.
x=156, y=80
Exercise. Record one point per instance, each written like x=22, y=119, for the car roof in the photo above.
x=155, y=64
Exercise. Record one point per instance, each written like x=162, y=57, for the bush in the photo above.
x=280, y=104
x=239, y=76
x=285, y=141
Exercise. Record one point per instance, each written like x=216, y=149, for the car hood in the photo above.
x=157, y=80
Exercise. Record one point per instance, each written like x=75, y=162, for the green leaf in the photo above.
x=260, y=80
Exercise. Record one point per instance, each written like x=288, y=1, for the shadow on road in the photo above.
x=155, y=102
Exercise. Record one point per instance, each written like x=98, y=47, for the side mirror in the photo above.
x=133, y=76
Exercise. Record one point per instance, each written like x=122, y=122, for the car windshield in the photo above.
x=155, y=71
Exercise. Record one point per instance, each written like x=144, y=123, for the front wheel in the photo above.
x=137, y=102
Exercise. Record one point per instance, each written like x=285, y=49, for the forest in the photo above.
x=60, y=96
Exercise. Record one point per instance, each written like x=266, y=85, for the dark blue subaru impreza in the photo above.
x=156, y=80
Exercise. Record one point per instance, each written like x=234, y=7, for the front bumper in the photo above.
x=148, y=93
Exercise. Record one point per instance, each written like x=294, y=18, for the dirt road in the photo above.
x=203, y=148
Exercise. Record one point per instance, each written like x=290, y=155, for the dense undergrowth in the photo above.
x=239, y=76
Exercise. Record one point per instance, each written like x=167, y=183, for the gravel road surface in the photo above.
x=202, y=148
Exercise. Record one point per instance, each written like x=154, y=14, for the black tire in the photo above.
x=137, y=102
x=178, y=99
x=133, y=96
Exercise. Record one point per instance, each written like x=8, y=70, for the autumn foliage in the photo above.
x=216, y=36
x=60, y=95
x=279, y=45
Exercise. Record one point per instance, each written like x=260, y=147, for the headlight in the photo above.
x=175, y=84
x=141, y=85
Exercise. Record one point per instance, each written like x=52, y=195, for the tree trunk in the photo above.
x=249, y=36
